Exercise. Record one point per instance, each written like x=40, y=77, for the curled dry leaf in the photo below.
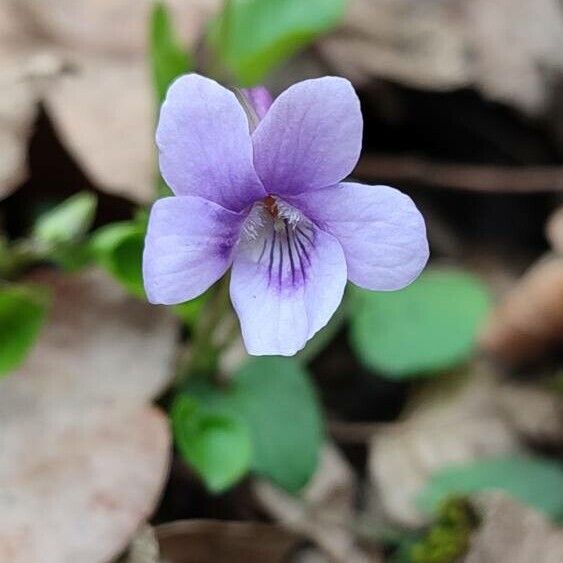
x=103, y=105
x=83, y=457
x=324, y=510
x=508, y=49
x=512, y=533
x=208, y=541
x=529, y=320
x=447, y=426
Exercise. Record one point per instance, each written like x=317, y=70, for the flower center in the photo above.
x=271, y=205
x=280, y=240
x=269, y=214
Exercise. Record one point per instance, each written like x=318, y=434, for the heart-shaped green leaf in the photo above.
x=422, y=329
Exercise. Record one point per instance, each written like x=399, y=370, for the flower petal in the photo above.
x=188, y=247
x=310, y=138
x=285, y=286
x=380, y=229
x=205, y=145
x=260, y=99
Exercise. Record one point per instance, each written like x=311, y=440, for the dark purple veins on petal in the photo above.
x=289, y=242
x=287, y=255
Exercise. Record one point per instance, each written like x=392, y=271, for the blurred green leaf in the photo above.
x=327, y=334
x=72, y=257
x=532, y=480
x=216, y=444
x=253, y=36
x=190, y=310
x=23, y=311
x=275, y=396
x=68, y=221
x=168, y=56
x=427, y=327
x=118, y=247
x=276, y=400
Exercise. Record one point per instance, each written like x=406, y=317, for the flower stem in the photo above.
x=202, y=355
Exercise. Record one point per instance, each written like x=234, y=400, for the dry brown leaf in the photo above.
x=24, y=70
x=99, y=345
x=144, y=547
x=529, y=320
x=103, y=105
x=508, y=49
x=447, y=426
x=104, y=114
x=105, y=109
x=83, y=459
x=17, y=114
x=110, y=27
x=513, y=533
x=324, y=511
x=534, y=412
x=76, y=482
x=208, y=541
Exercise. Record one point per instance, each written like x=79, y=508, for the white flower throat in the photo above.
x=272, y=212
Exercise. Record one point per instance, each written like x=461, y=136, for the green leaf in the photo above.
x=189, y=311
x=22, y=313
x=532, y=480
x=216, y=444
x=72, y=257
x=276, y=400
x=168, y=56
x=254, y=36
x=425, y=328
x=68, y=221
x=119, y=249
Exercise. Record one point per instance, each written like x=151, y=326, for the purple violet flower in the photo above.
x=270, y=202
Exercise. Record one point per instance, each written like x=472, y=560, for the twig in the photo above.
x=471, y=177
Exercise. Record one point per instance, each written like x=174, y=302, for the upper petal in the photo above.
x=285, y=287
x=205, y=145
x=310, y=138
x=380, y=229
x=188, y=247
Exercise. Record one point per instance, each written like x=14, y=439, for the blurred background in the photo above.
x=422, y=426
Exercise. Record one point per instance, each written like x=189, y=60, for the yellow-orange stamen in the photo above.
x=271, y=206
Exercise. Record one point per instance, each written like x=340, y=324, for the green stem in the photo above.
x=201, y=357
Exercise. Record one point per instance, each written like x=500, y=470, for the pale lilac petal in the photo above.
x=188, y=247
x=260, y=99
x=310, y=138
x=380, y=229
x=285, y=292
x=205, y=145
